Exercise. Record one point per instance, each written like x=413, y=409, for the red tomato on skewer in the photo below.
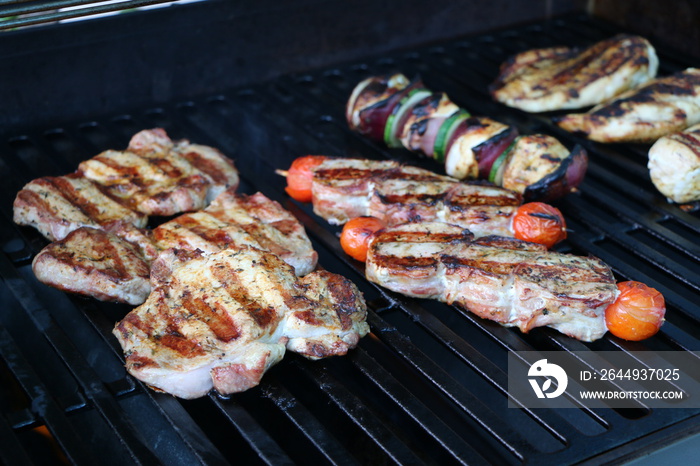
x=354, y=239
x=538, y=222
x=637, y=313
x=300, y=177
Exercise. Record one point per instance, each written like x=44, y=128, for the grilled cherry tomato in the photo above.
x=538, y=222
x=354, y=239
x=300, y=176
x=637, y=313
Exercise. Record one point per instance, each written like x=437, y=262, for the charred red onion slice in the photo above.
x=563, y=180
x=370, y=91
x=488, y=151
x=376, y=102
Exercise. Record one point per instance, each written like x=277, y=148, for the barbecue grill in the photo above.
x=429, y=384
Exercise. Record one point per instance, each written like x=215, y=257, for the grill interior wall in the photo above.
x=428, y=385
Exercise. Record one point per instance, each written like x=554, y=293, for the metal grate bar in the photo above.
x=307, y=423
x=430, y=382
x=90, y=383
x=357, y=412
x=33, y=13
x=46, y=411
x=266, y=448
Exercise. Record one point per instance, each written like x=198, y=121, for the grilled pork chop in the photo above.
x=566, y=78
x=222, y=320
x=58, y=205
x=659, y=107
x=512, y=282
x=238, y=220
x=347, y=188
x=674, y=165
x=113, y=265
x=94, y=263
x=157, y=176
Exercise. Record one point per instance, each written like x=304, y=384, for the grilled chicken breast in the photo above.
x=568, y=78
x=222, y=320
x=157, y=176
x=674, y=165
x=659, y=107
x=58, y=205
x=347, y=188
x=512, y=282
x=94, y=263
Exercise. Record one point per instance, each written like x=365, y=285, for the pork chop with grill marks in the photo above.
x=113, y=264
x=222, y=320
x=58, y=205
x=237, y=220
x=157, y=176
x=94, y=263
x=346, y=188
x=512, y=282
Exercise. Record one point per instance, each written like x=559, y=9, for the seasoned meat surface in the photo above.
x=661, y=106
x=348, y=188
x=567, y=78
x=237, y=220
x=221, y=320
x=58, y=205
x=154, y=176
x=157, y=176
x=231, y=221
x=94, y=263
x=512, y=282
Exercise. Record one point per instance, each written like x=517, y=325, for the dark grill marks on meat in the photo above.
x=222, y=319
x=152, y=177
x=560, y=78
x=659, y=107
x=95, y=263
x=75, y=195
x=265, y=317
x=506, y=280
x=614, y=59
x=347, y=188
x=208, y=166
x=236, y=220
x=217, y=319
x=58, y=205
x=185, y=347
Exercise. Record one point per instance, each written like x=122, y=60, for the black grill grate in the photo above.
x=427, y=386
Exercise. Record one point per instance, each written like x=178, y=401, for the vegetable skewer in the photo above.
x=399, y=112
